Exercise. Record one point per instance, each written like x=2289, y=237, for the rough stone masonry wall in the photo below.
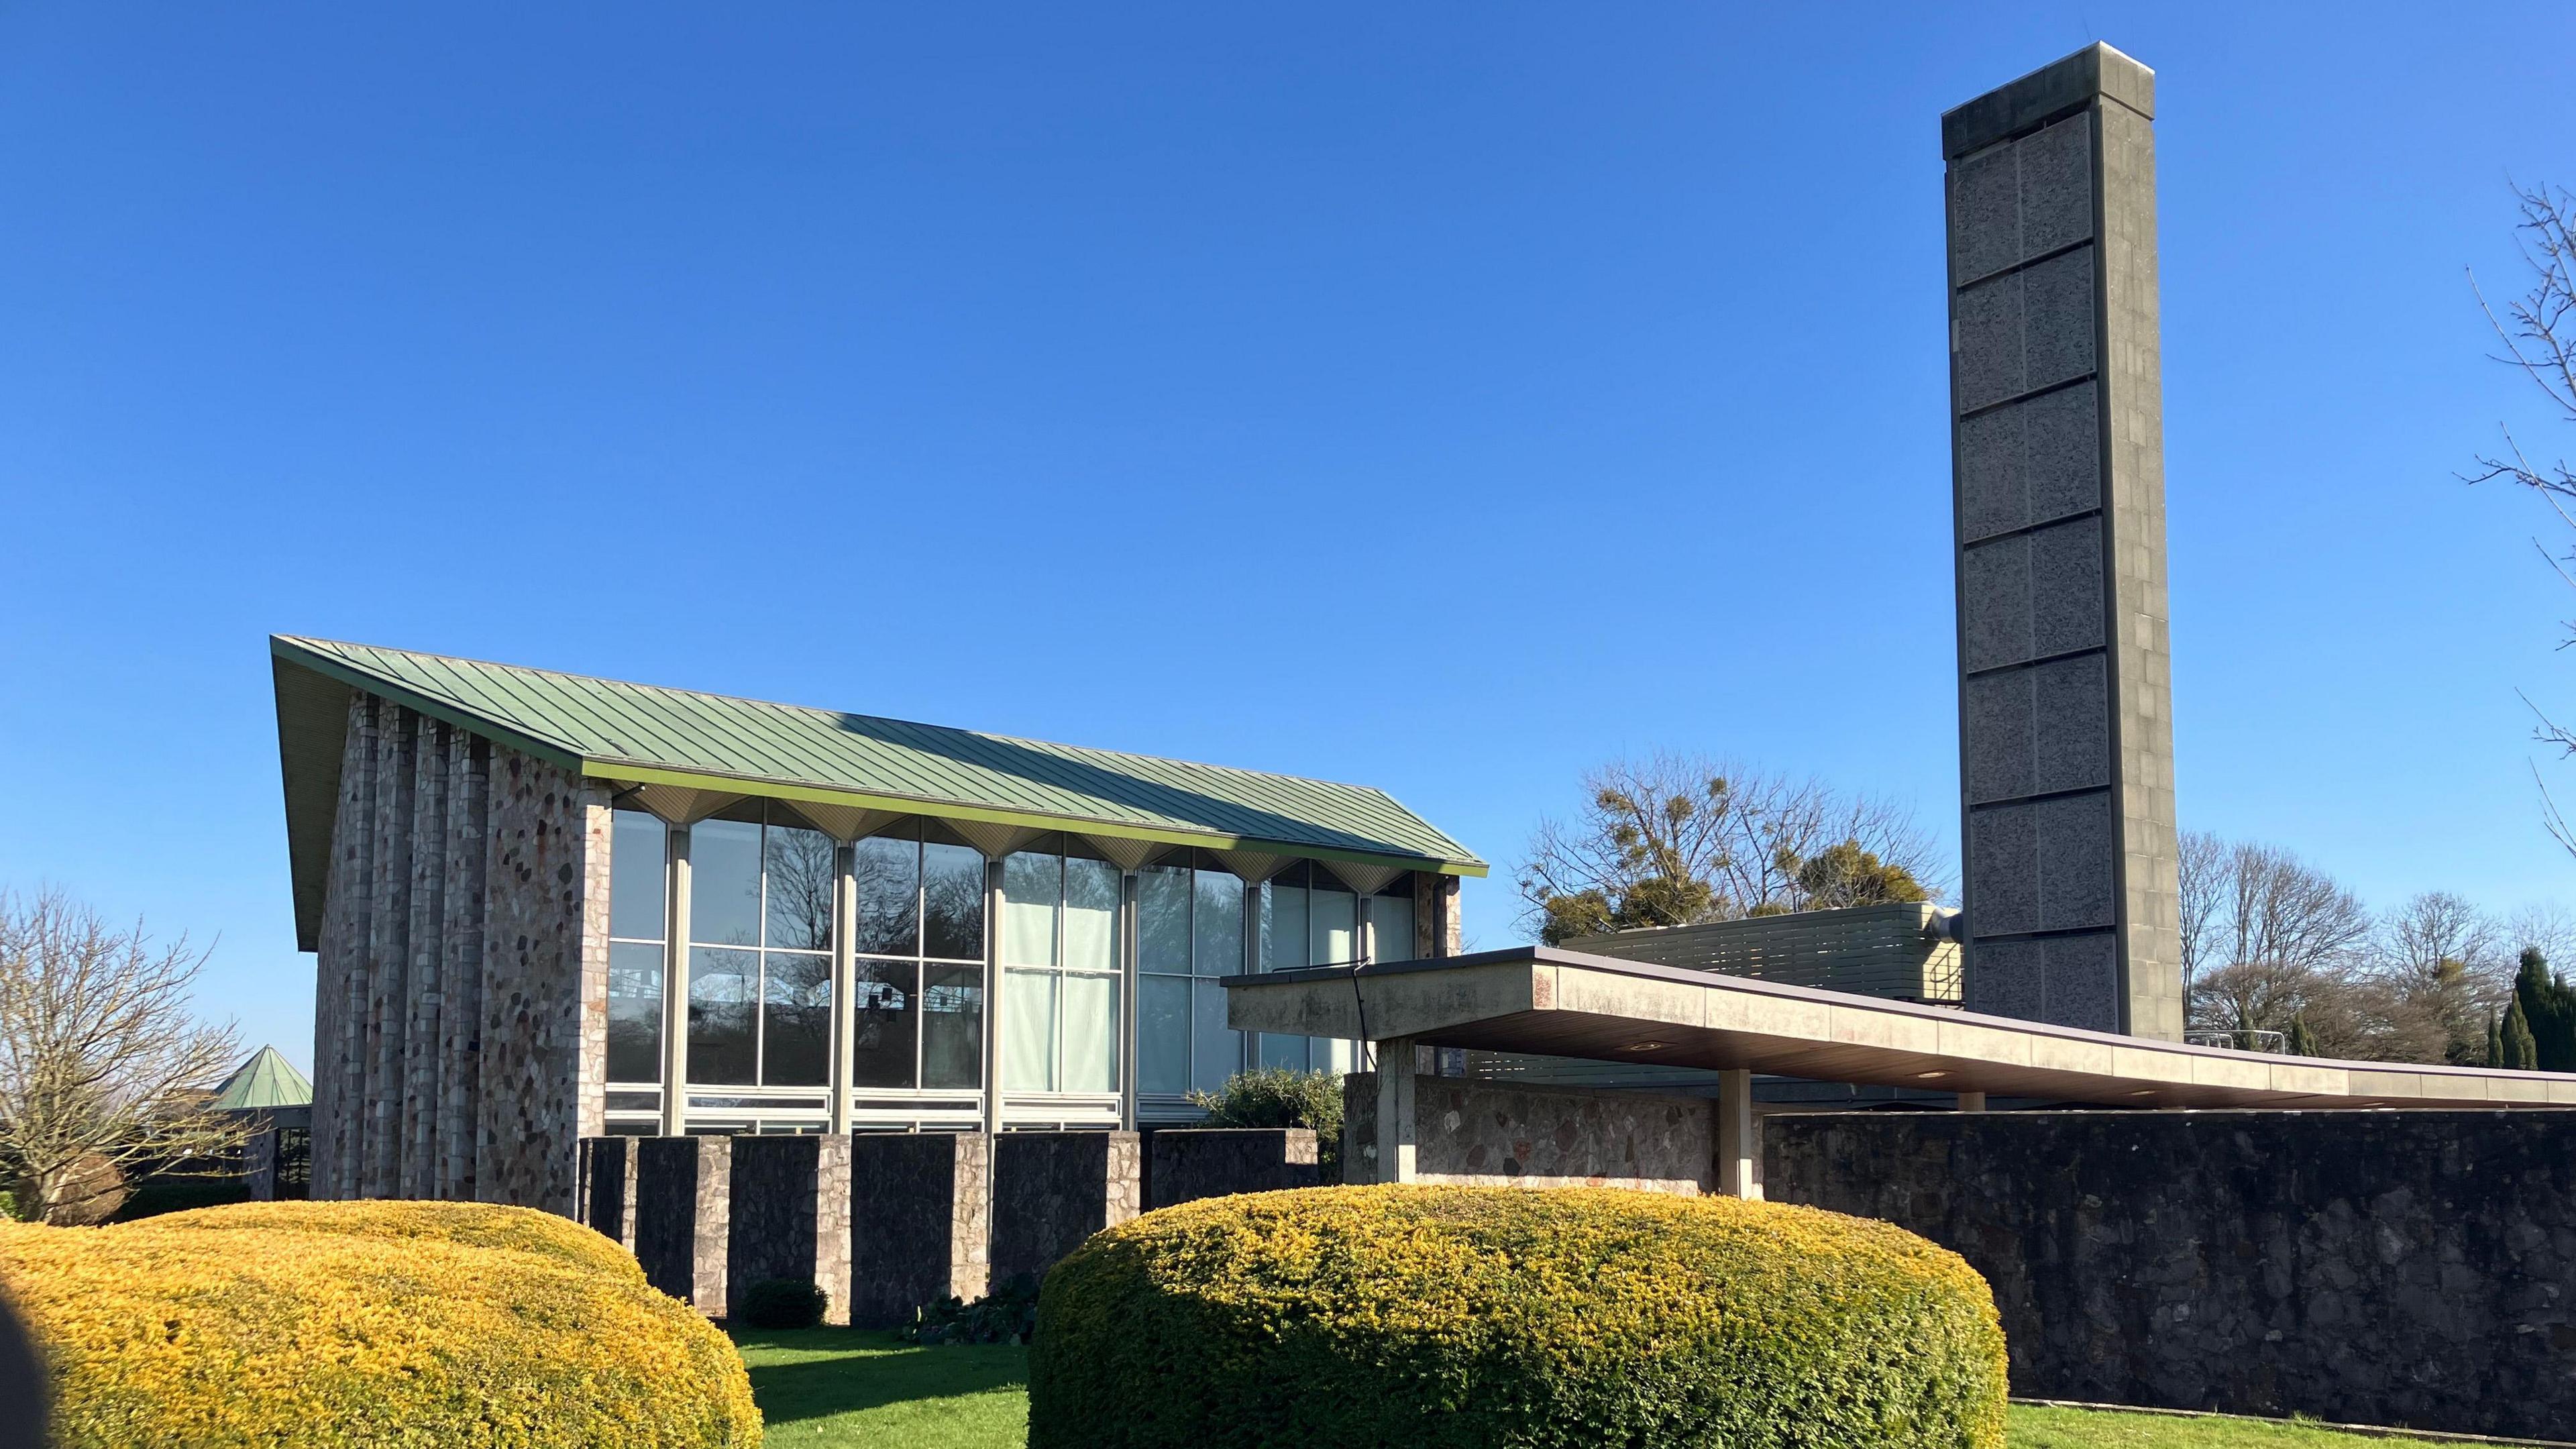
x=460, y=1028
x=1487, y=1134
x=2405, y=1268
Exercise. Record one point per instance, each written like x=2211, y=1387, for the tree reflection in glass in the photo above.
x=724, y=1005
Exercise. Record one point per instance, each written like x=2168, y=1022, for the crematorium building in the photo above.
x=547, y=907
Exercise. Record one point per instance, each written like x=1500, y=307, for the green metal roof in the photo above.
x=645, y=734
x=267, y=1080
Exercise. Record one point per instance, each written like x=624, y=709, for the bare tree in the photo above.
x=2441, y=958
x=2547, y=927
x=102, y=1066
x=1674, y=839
x=2204, y=889
x=2538, y=330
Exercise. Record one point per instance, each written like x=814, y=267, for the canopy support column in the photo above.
x=1739, y=1137
x=1395, y=1125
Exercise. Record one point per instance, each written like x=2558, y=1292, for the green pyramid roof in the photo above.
x=267, y=1080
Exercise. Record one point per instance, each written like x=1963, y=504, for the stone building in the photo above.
x=546, y=907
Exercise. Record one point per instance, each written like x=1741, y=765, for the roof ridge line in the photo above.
x=310, y=640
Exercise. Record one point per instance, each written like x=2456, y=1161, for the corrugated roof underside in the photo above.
x=613, y=722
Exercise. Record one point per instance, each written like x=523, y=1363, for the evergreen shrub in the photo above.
x=1456, y=1316
x=425, y=1324
x=783, y=1303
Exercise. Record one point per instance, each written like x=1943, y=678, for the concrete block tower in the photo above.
x=2057, y=446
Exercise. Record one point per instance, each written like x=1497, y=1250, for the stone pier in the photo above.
x=917, y=1223
x=683, y=1200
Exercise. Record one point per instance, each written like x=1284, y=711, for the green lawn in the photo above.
x=832, y=1388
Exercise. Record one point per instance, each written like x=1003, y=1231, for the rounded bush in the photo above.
x=1505, y=1316
x=782, y=1303
x=428, y=1324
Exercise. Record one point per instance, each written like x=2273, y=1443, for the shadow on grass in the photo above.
x=817, y=1373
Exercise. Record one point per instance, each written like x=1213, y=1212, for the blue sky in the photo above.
x=1444, y=397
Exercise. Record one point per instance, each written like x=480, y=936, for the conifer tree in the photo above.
x=2495, y=1040
x=2520, y=1054
x=2549, y=1012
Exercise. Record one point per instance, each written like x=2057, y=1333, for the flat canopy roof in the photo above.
x=1564, y=1003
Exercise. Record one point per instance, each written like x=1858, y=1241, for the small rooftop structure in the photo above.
x=1900, y=950
x=267, y=1082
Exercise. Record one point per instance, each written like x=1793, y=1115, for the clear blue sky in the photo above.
x=1444, y=397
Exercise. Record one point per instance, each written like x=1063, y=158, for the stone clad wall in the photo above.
x=1051, y=1190
x=1489, y=1134
x=918, y=1223
x=2405, y=1268
x=460, y=1005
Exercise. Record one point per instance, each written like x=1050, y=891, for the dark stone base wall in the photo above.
x=683, y=1201
x=1051, y=1190
x=1496, y=1134
x=917, y=1224
x=2403, y=1268
x=1185, y=1166
x=789, y=1217
x=607, y=1188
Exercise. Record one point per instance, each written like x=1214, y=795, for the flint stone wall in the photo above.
x=1051, y=1190
x=683, y=1199
x=1189, y=1163
x=2406, y=1268
x=789, y=1217
x=1489, y=1134
x=917, y=1223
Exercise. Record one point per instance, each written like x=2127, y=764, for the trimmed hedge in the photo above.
x=1455, y=1316
x=428, y=1324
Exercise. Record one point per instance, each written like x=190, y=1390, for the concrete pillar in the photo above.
x=789, y=1217
x=2065, y=697
x=675, y=987
x=683, y=1219
x=1739, y=1137
x=1396, y=1128
x=845, y=970
x=1972, y=1101
x=919, y=1216
x=1051, y=1190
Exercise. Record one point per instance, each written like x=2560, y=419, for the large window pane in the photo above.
x=1218, y=927
x=889, y=879
x=952, y=1025
x=1090, y=914
x=1215, y=1053
x=1333, y=918
x=636, y=875
x=803, y=874
x=724, y=883
x=1391, y=924
x=885, y=1016
x=1283, y=927
x=798, y=1041
x=1330, y=1054
x=634, y=1012
x=1090, y=1033
x=1028, y=1031
x=1283, y=1051
x=1032, y=886
x=1163, y=1034
x=1163, y=919
x=952, y=895
x=724, y=1001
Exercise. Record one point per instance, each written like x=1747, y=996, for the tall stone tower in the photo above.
x=2057, y=449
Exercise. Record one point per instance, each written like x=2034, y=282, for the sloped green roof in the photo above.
x=267, y=1080
x=645, y=734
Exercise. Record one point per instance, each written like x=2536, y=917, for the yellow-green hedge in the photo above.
x=420, y=1324
x=1439, y=1316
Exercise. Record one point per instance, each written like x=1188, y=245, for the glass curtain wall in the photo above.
x=917, y=1009
x=1189, y=932
x=1310, y=918
x=1060, y=973
x=638, y=878
x=760, y=950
